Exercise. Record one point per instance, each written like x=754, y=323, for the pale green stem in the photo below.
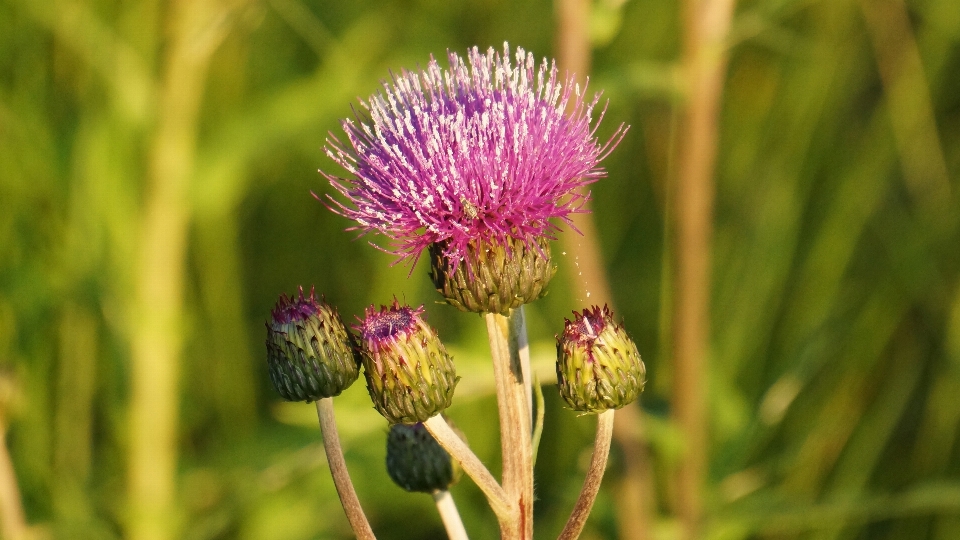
x=515, y=432
x=518, y=337
x=591, y=484
x=538, y=424
x=458, y=450
x=449, y=515
x=12, y=516
x=338, y=469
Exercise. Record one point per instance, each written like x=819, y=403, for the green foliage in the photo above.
x=835, y=359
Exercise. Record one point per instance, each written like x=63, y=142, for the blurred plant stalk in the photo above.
x=13, y=521
x=634, y=501
x=912, y=116
x=12, y=517
x=197, y=28
x=706, y=24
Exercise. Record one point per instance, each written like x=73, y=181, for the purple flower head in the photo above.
x=586, y=327
x=483, y=151
x=295, y=309
x=382, y=328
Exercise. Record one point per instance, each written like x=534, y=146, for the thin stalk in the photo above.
x=907, y=94
x=12, y=517
x=449, y=515
x=518, y=333
x=458, y=450
x=515, y=443
x=706, y=25
x=338, y=469
x=591, y=484
x=157, y=308
x=538, y=421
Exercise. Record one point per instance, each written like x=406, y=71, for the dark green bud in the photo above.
x=598, y=366
x=492, y=278
x=409, y=374
x=310, y=354
x=417, y=462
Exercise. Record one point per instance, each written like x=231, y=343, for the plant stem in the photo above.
x=515, y=443
x=706, y=24
x=157, y=303
x=591, y=484
x=519, y=341
x=449, y=515
x=338, y=469
x=538, y=421
x=12, y=516
x=458, y=450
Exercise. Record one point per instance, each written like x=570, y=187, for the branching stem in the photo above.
x=458, y=450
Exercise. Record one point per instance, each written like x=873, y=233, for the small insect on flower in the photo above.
x=485, y=156
x=468, y=208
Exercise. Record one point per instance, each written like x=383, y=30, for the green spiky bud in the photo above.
x=492, y=278
x=598, y=365
x=417, y=462
x=410, y=375
x=310, y=354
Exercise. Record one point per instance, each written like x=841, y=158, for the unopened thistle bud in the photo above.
x=417, y=462
x=492, y=277
x=309, y=351
x=409, y=374
x=598, y=366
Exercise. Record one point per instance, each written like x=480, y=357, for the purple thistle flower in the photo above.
x=485, y=151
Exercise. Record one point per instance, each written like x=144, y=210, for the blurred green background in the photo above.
x=834, y=376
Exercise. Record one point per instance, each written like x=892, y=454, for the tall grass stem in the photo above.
x=706, y=25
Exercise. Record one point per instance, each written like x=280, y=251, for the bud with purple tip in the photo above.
x=310, y=354
x=598, y=365
x=410, y=375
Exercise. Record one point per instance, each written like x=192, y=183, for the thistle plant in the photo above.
x=479, y=165
x=312, y=357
